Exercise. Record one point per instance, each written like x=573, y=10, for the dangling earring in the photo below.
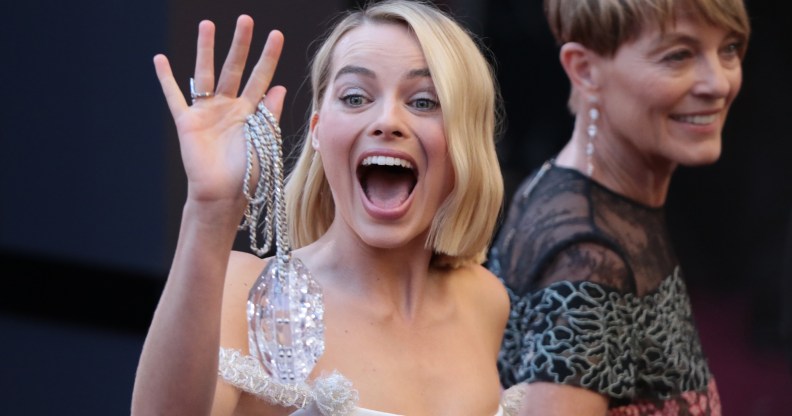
x=592, y=134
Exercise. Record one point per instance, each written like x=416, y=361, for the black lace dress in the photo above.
x=598, y=299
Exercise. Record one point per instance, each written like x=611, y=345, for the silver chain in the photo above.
x=264, y=142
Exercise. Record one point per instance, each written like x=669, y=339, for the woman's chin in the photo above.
x=702, y=156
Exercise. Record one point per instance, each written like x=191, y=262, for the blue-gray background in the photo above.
x=91, y=185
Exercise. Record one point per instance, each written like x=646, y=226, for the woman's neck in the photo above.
x=619, y=167
x=393, y=277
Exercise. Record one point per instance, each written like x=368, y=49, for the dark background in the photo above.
x=91, y=185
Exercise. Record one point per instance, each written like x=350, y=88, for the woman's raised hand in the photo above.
x=211, y=130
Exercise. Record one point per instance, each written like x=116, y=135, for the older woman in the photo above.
x=601, y=321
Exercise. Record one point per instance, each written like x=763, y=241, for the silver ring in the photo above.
x=194, y=95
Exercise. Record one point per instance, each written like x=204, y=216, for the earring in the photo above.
x=592, y=134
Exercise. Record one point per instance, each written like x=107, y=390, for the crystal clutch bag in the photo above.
x=285, y=316
x=285, y=311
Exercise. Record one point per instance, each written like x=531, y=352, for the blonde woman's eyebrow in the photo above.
x=359, y=70
x=418, y=73
x=354, y=69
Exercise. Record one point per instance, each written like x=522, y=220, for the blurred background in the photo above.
x=91, y=185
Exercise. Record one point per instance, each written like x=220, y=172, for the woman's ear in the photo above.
x=581, y=67
x=314, y=136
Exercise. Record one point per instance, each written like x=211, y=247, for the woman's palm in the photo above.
x=211, y=131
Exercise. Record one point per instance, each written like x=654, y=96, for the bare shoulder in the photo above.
x=243, y=270
x=241, y=274
x=486, y=295
x=242, y=260
x=483, y=285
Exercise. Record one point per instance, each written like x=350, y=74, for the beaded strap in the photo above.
x=263, y=139
x=285, y=309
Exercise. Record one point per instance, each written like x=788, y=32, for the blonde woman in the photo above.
x=391, y=205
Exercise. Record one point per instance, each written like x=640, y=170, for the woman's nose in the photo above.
x=715, y=79
x=390, y=121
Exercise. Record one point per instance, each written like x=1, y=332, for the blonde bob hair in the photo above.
x=463, y=226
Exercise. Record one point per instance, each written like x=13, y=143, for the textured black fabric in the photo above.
x=598, y=299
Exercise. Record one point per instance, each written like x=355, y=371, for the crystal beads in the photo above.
x=592, y=134
x=286, y=321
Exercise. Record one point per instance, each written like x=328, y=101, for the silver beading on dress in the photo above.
x=285, y=309
x=332, y=395
x=246, y=373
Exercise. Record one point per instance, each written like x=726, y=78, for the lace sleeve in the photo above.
x=570, y=333
x=586, y=261
x=589, y=332
x=576, y=328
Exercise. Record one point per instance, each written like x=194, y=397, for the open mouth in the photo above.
x=387, y=181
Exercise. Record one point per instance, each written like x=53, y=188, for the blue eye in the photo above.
x=425, y=104
x=354, y=100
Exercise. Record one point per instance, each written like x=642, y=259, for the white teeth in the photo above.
x=386, y=161
x=701, y=120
